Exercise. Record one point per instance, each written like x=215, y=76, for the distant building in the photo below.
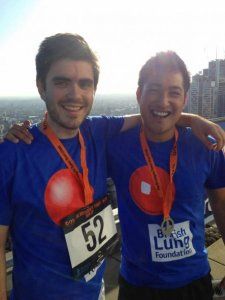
x=221, y=98
x=207, y=91
x=195, y=94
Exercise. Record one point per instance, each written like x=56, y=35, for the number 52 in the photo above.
x=89, y=234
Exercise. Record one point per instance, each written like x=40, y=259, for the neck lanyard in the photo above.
x=167, y=224
x=81, y=179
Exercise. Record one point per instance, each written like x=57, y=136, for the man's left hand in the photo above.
x=202, y=128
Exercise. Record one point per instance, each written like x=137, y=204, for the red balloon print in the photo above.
x=63, y=195
x=143, y=192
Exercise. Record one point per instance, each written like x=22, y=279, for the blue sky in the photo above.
x=123, y=33
x=14, y=15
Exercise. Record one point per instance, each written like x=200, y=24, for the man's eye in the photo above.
x=153, y=91
x=61, y=83
x=175, y=94
x=85, y=84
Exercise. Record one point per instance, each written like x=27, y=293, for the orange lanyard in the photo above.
x=168, y=197
x=82, y=179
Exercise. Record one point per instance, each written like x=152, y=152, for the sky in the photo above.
x=123, y=33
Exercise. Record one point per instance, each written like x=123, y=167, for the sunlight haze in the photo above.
x=124, y=34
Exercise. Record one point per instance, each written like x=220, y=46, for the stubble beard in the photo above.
x=60, y=125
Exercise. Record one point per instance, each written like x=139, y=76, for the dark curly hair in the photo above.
x=64, y=46
x=164, y=62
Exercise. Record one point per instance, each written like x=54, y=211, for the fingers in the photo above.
x=24, y=129
x=208, y=144
x=27, y=124
x=221, y=134
x=213, y=146
x=19, y=132
x=203, y=128
x=217, y=133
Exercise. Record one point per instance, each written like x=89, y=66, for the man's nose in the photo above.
x=164, y=99
x=75, y=91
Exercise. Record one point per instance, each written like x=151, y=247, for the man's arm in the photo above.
x=3, y=236
x=202, y=127
x=217, y=202
x=130, y=121
x=19, y=132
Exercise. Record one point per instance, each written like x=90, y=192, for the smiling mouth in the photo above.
x=161, y=114
x=72, y=108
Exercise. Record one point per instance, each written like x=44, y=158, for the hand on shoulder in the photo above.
x=20, y=132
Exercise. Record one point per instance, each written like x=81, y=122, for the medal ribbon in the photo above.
x=168, y=196
x=82, y=179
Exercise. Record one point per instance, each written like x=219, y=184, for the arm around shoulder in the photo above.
x=131, y=121
x=20, y=132
x=202, y=128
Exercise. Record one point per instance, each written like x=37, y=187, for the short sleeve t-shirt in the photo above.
x=42, y=268
x=148, y=257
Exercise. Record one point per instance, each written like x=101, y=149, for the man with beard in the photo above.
x=63, y=171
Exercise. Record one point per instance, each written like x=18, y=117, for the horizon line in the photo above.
x=25, y=97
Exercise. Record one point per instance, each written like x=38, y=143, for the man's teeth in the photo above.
x=72, y=107
x=161, y=113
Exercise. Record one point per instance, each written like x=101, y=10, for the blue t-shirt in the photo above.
x=33, y=177
x=148, y=257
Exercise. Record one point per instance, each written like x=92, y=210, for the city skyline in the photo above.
x=206, y=95
x=123, y=34
x=14, y=111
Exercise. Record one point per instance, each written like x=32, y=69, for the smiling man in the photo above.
x=67, y=79
x=161, y=172
x=159, y=114
x=62, y=171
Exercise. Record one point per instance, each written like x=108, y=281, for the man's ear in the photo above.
x=138, y=95
x=41, y=89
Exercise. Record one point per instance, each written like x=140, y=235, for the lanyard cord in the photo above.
x=168, y=197
x=82, y=179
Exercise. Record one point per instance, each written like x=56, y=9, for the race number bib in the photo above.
x=90, y=233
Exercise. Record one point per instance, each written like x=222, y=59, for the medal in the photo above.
x=167, y=226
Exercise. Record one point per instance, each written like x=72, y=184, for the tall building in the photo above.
x=221, y=98
x=207, y=91
x=195, y=94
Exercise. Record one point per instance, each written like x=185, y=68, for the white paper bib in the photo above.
x=90, y=233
